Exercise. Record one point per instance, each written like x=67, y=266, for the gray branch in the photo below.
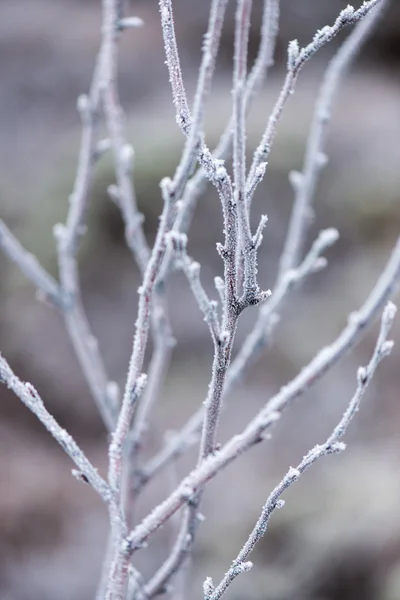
x=333, y=445
x=30, y=397
x=297, y=58
x=31, y=268
x=304, y=183
x=256, y=429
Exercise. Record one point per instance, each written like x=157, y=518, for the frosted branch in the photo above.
x=252, y=346
x=297, y=58
x=256, y=78
x=123, y=152
x=267, y=416
x=30, y=397
x=30, y=267
x=192, y=271
x=333, y=445
x=304, y=183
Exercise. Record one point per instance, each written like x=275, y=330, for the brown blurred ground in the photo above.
x=338, y=536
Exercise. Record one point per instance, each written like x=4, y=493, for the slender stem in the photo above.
x=122, y=151
x=46, y=285
x=333, y=445
x=358, y=321
x=256, y=78
x=29, y=396
x=297, y=58
x=249, y=351
x=244, y=241
x=194, y=147
x=304, y=183
x=287, y=279
x=67, y=237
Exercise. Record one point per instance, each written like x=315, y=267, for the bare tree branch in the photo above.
x=333, y=445
x=250, y=349
x=255, y=431
x=297, y=58
x=304, y=183
x=30, y=267
x=127, y=418
x=30, y=397
x=256, y=78
x=269, y=312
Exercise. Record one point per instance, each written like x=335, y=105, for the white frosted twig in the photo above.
x=238, y=239
x=244, y=248
x=222, y=340
x=30, y=397
x=332, y=445
x=267, y=416
x=215, y=171
x=124, y=194
x=67, y=236
x=210, y=50
x=268, y=315
x=304, y=183
x=66, y=296
x=119, y=437
x=195, y=185
x=118, y=572
x=30, y=267
x=192, y=271
x=297, y=58
x=266, y=51
x=171, y=192
x=173, y=188
x=252, y=346
x=157, y=372
x=122, y=151
x=117, y=582
x=257, y=75
x=183, y=117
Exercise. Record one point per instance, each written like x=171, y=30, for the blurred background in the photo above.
x=338, y=536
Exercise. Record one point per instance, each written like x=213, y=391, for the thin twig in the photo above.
x=30, y=267
x=333, y=445
x=304, y=183
x=195, y=147
x=119, y=567
x=286, y=280
x=171, y=191
x=66, y=296
x=217, y=174
x=256, y=78
x=244, y=241
x=297, y=58
x=250, y=349
x=255, y=431
x=183, y=117
x=192, y=271
x=30, y=397
x=125, y=197
x=67, y=237
x=157, y=372
x=122, y=151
